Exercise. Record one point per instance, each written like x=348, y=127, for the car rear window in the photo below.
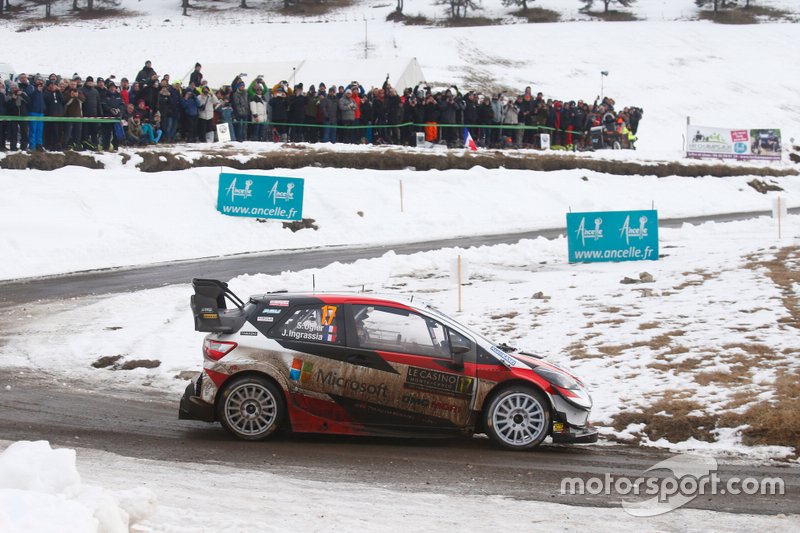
x=321, y=323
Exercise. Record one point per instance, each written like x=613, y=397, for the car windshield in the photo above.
x=434, y=311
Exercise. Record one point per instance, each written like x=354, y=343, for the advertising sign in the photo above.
x=247, y=195
x=612, y=236
x=724, y=143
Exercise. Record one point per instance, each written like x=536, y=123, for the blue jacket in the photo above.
x=190, y=106
x=37, y=102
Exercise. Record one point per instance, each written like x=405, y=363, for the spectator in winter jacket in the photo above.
x=197, y=77
x=91, y=109
x=511, y=118
x=73, y=108
x=17, y=105
x=329, y=108
x=146, y=73
x=112, y=106
x=297, y=113
x=241, y=111
x=485, y=118
x=258, y=112
x=135, y=134
x=2, y=112
x=191, y=108
x=347, y=107
x=208, y=104
x=36, y=109
x=279, y=107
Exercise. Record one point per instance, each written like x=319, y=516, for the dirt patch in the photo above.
x=467, y=22
x=409, y=20
x=704, y=276
x=613, y=16
x=313, y=8
x=648, y=325
x=106, y=361
x=163, y=161
x=772, y=423
x=297, y=225
x=48, y=160
x=140, y=363
x=737, y=375
x=784, y=271
x=669, y=418
x=504, y=316
x=762, y=187
x=537, y=15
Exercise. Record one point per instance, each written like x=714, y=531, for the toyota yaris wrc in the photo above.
x=357, y=364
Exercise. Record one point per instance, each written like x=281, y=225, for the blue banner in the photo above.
x=248, y=195
x=612, y=236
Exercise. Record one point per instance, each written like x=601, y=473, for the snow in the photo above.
x=41, y=491
x=233, y=499
x=626, y=343
x=75, y=219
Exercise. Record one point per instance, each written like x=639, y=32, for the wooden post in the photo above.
x=401, y=197
x=459, y=283
x=779, y=218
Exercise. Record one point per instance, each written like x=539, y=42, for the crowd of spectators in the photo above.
x=153, y=109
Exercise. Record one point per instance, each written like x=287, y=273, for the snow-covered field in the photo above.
x=76, y=219
x=55, y=492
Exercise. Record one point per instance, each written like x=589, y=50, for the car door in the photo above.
x=431, y=388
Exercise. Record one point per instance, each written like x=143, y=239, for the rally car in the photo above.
x=359, y=364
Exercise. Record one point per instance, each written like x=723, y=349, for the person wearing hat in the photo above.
x=347, y=107
x=197, y=77
x=112, y=107
x=36, y=109
x=241, y=111
x=91, y=109
x=329, y=109
x=279, y=109
x=124, y=88
x=73, y=108
x=169, y=104
x=17, y=102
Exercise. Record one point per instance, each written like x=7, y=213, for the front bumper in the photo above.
x=194, y=408
x=573, y=435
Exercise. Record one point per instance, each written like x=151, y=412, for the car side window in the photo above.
x=399, y=330
x=313, y=323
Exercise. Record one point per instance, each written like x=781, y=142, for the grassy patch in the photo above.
x=772, y=423
x=409, y=20
x=538, y=15
x=468, y=22
x=751, y=15
x=613, y=15
x=669, y=418
x=312, y=9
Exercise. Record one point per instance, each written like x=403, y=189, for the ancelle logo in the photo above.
x=593, y=234
x=628, y=232
x=233, y=192
x=276, y=195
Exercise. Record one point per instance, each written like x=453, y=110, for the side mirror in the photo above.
x=458, y=350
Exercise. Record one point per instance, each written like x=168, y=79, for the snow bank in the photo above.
x=41, y=491
x=76, y=219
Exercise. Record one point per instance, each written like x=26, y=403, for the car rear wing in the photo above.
x=210, y=310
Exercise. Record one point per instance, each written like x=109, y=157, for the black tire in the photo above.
x=518, y=418
x=251, y=407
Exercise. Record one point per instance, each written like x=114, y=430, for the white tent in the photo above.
x=220, y=74
x=368, y=72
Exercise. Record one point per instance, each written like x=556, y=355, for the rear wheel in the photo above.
x=251, y=408
x=517, y=418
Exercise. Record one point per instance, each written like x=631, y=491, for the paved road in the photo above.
x=130, y=424
x=144, y=424
x=145, y=277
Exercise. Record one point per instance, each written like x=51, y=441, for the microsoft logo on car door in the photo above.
x=301, y=370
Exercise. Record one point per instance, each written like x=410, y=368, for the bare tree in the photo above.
x=522, y=3
x=458, y=8
x=703, y=3
x=623, y=3
x=185, y=6
x=399, y=7
x=243, y=4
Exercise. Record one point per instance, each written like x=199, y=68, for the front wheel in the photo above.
x=517, y=418
x=251, y=408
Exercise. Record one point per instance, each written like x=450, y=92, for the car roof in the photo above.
x=340, y=297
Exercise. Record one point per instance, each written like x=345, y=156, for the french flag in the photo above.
x=469, y=142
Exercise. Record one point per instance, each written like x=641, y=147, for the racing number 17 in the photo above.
x=328, y=314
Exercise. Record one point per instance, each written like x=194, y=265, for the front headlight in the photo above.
x=573, y=392
x=557, y=378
